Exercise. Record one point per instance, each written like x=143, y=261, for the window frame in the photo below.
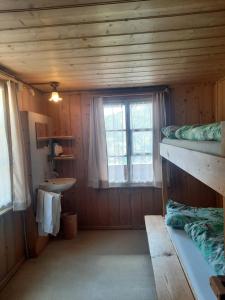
x=127, y=101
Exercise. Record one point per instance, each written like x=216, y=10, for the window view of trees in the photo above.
x=129, y=141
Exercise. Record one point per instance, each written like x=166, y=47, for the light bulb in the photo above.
x=55, y=97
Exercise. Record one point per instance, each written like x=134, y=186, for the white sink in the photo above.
x=57, y=185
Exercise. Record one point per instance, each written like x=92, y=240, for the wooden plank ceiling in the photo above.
x=87, y=44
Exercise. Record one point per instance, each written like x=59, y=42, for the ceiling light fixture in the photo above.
x=55, y=95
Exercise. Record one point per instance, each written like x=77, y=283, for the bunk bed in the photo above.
x=206, y=162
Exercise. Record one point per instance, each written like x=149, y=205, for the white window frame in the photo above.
x=126, y=101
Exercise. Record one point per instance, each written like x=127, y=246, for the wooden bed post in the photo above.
x=164, y=185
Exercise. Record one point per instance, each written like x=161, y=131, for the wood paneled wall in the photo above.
x=220, y=100
x=125, y=208
x=110, y=208
x=191, y=104
x=12, y=250
x=12, y=246
x=32, y=100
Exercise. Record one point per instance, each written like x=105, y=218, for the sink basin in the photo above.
x=57, y=185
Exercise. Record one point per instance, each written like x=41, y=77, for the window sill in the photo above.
x=130, y=185
x=5, y=210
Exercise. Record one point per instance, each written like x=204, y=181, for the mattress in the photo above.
x=211, y=147
x=196, y=268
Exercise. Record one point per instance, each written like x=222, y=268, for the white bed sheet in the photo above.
x=196, y=268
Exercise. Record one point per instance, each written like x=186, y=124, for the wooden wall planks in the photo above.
x=12, y=250
x=68, y=42
x=32, y=100
x=219, y=92
x=219, y=96
x=125, y=208
x=192, y=103
x=111, y=208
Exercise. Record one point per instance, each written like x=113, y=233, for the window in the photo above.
x=128, y=125
x=5, y=170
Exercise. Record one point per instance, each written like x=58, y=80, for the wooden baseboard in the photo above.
x=10, y=274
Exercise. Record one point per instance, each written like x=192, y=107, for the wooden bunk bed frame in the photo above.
x=209, y=169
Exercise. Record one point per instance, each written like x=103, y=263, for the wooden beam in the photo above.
x=135, y=77
x=73, y=85
x=61, y=43
x=165, y=63
x=69, y=56
x=115, y=27
x=157, y=7
x=164, y=185
x=170, y=280
x=29, y=5
x=132, y=72
x=109, y=12
x=120, y=49
x=207, y=168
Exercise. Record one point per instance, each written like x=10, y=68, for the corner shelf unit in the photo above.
x=51, y=139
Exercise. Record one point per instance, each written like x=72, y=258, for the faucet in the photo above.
x=54, y=173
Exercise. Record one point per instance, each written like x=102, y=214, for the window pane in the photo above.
x=116, y=143
x=141, y=169
x=5, y=183
x=114, y=116
x=117, y=167
x=141, y=115
x=141, y=142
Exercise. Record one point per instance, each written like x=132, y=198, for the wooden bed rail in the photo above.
x=217, y=284
x=208, y=168
x=164, y=185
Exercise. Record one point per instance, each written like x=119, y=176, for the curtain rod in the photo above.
x=7, y=75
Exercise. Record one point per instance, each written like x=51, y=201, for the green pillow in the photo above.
x=207, y=132
x=169, y=131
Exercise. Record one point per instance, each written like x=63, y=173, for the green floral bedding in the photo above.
x=207, y=132
x=170, y=131
x=208, y=236
x=178, y=215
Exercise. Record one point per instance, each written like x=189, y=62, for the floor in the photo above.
x=97, y=265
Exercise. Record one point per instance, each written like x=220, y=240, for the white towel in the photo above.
x=48, y=212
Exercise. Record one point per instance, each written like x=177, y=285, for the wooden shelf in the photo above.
x=68, y=157
x=64, y=137
x=42, y=139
